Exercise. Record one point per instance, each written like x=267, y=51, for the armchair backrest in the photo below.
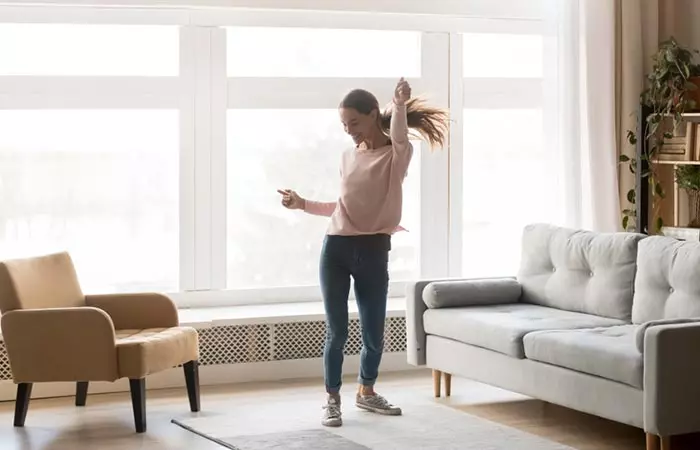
x=48, y=281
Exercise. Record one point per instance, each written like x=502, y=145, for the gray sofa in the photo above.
x=600, y=323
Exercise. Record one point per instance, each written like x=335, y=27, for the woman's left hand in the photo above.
x=402, y=93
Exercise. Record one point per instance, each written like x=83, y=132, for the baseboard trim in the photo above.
x=215, y=375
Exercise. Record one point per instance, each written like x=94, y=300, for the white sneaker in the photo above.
x=331, y=413
x=378, y=404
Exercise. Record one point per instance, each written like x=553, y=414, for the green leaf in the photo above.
x=625, y=222
x=631, y=196
x=659, y=224
x=624, y=158
x=659, y=190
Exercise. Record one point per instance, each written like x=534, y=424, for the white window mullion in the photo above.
x=434, y=243
x=201, y=61
x=456, y=163
x=187, y=158
x=217, y=116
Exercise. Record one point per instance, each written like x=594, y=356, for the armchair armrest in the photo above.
x=483, y=291
x=60, y=344
x=671, y=379
x=137, y=311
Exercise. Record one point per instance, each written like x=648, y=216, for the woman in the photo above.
x=358, y=240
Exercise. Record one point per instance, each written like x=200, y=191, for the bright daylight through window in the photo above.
x=152, y=151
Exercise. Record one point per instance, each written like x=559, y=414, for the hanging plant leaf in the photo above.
x=659, y=190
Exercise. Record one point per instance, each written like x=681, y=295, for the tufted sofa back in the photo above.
x=581, y=271
x=668, y=280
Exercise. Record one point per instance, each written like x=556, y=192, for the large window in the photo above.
x=88, y=50
x=102, y=184
x=322, y=53
x=90, y=152
x=292, y=142
x=507, y=177
x=151, y=145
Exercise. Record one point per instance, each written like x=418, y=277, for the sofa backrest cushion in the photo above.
x=668, y=280
x=579, y=270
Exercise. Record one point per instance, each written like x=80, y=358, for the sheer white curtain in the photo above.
x=580, y=111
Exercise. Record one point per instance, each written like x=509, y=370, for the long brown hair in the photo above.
x=429, y=122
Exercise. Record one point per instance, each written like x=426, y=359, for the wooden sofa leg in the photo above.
x=437, y=377
x=448, y=384
x=665, y=442
x=81, y=390
x=192, y=380
x=138, y=401
x=652, y=442
x=24, y=393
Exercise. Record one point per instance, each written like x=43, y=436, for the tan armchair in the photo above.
x=54, y=333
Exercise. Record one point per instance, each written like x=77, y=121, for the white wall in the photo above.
x=685, y=24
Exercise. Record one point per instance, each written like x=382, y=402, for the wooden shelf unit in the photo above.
x=674, y=206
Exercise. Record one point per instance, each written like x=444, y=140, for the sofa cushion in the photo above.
x=501, y=327
x=609, y=352
x=579, y=270
x=668, y=280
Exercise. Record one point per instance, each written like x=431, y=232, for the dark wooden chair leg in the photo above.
x=138, y=401
x=192, y=380
x=81, y=390
x=24, y=392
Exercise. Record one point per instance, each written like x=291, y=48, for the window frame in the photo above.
x=203, y=92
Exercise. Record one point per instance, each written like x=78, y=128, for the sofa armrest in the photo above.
x=671, y=374
x=474, y=292
x=60, y=344
x=642, y=329
x=137, y=311
x=415, y=331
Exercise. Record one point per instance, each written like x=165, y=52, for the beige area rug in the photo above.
x=424, y=425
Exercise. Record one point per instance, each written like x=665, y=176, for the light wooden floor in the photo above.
x=106, y=422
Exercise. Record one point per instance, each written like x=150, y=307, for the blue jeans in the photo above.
x=365, y=259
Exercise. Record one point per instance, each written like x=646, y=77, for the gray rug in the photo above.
x=292, y=440
x=429, y=426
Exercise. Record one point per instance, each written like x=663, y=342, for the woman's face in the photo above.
x=359, y=126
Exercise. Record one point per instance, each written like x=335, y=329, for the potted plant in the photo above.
x=671, y=90
x=688, y=179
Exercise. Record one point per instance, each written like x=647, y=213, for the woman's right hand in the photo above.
x=291, y=200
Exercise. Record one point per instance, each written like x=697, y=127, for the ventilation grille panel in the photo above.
x=236, y=344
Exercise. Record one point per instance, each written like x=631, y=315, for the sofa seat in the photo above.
x=501, y=328
x=143, y=352
x=609, y=352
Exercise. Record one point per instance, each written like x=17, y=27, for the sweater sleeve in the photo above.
x=319, y=208
x=398, y=131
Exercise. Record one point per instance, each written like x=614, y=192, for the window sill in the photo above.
x=270, y=313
